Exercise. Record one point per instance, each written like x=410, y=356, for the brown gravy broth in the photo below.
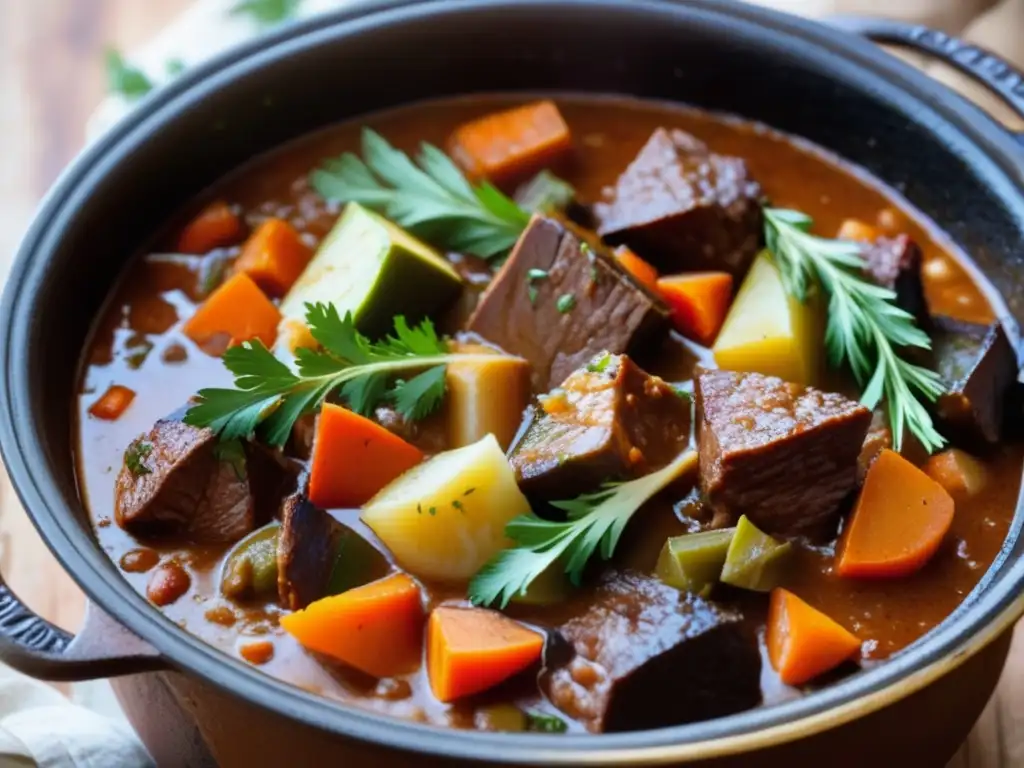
x=160, y=290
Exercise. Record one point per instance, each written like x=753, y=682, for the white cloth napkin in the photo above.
x=38, y=726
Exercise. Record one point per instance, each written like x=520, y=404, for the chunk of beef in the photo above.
x=783, y=454
x=649, y=656
x=558, y=301
x=978, y=367
x=685, y=208
x=895, y=263
x=319, y=556
x=609, y=419
x=175, y=481
x=879, y=438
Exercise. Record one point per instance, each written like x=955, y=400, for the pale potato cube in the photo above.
x=767, y=331
x=446, y=517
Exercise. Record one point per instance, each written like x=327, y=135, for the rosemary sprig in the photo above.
x=865, y=328
x=432, y=199
x=595, y=522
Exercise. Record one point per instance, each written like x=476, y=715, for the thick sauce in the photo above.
x=137, y=344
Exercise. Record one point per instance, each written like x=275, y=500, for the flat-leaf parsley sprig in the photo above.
x=268, y=396
x=434, y=200
x=865, y=328
x=594, y=523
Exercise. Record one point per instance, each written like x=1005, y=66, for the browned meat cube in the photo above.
x=782, y=454
x=685, y=208
x=558, y=301
x=609, y=420
x=649, y=656
x=978, y=367
x=173, y=482
x=319, y=556
x=895, y=263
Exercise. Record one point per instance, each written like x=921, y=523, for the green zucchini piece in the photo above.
x=376, y=270
x=693, y=562
x=755, y=560
x=356, y=562
x=250, y=569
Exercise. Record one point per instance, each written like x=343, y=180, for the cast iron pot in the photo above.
x=194, y=705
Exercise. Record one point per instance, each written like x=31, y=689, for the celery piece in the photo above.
x=755, y=560
x=693, y=562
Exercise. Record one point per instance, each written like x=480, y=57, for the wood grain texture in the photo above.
x=51, y=78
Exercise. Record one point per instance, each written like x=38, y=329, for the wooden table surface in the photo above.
x=51, y=78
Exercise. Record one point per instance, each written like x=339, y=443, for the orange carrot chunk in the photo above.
x=644, y=273
x=959, y=473
x=274, y=256
x=899, y=522
x=238, y=309
x=376, y=628
x=472, y=649
x=803, y=642
x=113, y=403
x=215, y=227
x=699, y=302
x=508, y=146
x=354, y=457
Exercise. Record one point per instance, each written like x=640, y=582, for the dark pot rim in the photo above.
x=996, y=602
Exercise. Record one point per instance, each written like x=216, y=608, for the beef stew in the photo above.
x=444, y=520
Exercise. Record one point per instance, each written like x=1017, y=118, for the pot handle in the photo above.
x=37, y=648
x=992, y=71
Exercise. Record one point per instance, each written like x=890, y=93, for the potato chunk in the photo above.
x=486, y=396
x=767, y=331
x=445, y=518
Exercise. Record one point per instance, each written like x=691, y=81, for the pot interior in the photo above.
x=726, y=58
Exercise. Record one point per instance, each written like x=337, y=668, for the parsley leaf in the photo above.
x=270, y=396
x=267, y=12
x=124, y=79
x=594, y=522
x=135, y=455
x=865, y=328
x=431, y=197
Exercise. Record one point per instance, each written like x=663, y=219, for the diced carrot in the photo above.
x=237, y=308
x=644, y=273
x=113, y=403
x=802, y=641
x=855, y=229
x=472, y=649
x=699, y=302
x=899, y=522
x=274, y=256
x=959, y=473
x=354, y=457
x=215, y=227
x=508, y=146
x=376, y=628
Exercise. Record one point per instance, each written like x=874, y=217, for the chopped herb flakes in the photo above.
x=538, y=722
x=432, y=510
x=601, y=364
x=536, y=274
x=124, y=79
x=457, y=505
x=134, y=457
x=531, y=293
x=565, y=303
x=469, y=491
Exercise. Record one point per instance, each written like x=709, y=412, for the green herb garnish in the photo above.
x=457, y=505
x=539, y=722
x=433, y=200
x=134, y=456
x=232, y=452
x=267, y=12
x=594, y=523
x=124, y=79
x=270, y=395
x=545, y=193
x=865, y=328
x=565, y=303
x=601, y=364
x=534, y=274
x=531, y=294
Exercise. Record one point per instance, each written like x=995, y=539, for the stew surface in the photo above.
x=632, y=626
